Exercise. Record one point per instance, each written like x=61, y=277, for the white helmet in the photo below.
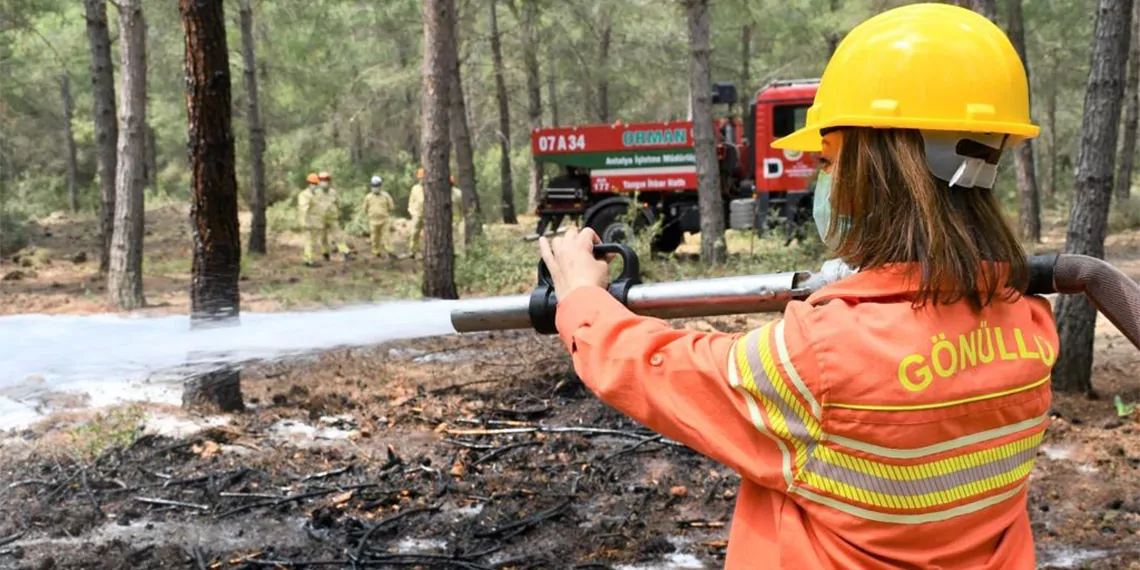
x=376, y=181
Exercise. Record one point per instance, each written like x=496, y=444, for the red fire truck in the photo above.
x=606, y=172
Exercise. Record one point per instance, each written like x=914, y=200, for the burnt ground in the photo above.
x=469, y=452
x=446, y=453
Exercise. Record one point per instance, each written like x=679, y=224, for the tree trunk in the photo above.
x=1029, y=198
x=713, y=249
x=833, y=36
x=257, y=238
x=533, y=89
x=461, y=141
x=1132, y=112
x=69, y=143
x=508, y=189
x=213, y=183
x=552, y=93
x=216, y=266
x=106, y=127
x=1088, y=218
x=439, y=56
x=1051, y=120
x=151, y=150
x=746, y=61
x=987, y=8
x=403, y=59
x=606, y=40
x=124, y=276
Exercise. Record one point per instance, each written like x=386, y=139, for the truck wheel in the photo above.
x=611, y=225
x=669, y=239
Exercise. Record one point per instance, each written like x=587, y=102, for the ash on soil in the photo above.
x=402, y=457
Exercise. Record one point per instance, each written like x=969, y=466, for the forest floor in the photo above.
x=472, y=451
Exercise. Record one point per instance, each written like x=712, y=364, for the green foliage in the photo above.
x=1125, y=215
x=340, y=86
x=116, y=428
x=13, y=231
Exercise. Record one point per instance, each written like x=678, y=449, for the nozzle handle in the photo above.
x=544, y=305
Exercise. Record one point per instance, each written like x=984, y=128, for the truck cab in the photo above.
x=782, y=179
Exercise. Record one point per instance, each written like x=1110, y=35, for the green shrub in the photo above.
x=1125, y=215
x=13, y=231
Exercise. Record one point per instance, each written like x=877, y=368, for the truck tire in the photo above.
x=669, y=238
x=610, y=224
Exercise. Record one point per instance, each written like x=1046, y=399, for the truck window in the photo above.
x=786, y=119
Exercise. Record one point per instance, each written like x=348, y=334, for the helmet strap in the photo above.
x=962, y=159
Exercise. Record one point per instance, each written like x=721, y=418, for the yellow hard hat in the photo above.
x=419, y=174
x=923, y=66
x=312, y=178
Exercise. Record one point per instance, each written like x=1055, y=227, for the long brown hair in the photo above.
x=900, y=213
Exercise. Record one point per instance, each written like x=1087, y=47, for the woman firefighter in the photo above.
x=891, y=420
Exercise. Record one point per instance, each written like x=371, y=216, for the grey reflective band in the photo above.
x=962, y=159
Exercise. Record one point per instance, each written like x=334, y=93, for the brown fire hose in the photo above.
x=1107, y=288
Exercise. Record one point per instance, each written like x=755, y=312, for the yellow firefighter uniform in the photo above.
x=416, y=211
x=310, y=217
x=378, y=206
x=331, y=233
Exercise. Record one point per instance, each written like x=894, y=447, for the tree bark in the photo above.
x=1051, y=120
x=216, y=266
x=213, y=183
x=1132, y=112
x=507, y=179
x=746, y=61
x=150, y=148
x=1088, y=218
x=1029, y=196
x=69, y=142
x=713, y=249
x=439, y=56
x=257, y=238
x=106, y=127
x=533, y=89
x=833, y=36
x=461, y=141
x=403, y=59
x=124, y=276
x=987, y=8
x=604, y=44
x=552, y=93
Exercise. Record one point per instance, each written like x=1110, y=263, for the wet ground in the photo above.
x=478, y=451
x=465, y=452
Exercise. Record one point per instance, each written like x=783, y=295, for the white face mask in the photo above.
x=324, y=184
x=375, y=189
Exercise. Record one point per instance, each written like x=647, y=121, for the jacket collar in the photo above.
x=894, y=280
x=891, y=280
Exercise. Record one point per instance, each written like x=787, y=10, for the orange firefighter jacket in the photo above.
x=868, y=434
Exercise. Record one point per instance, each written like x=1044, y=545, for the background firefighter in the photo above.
x=416, y=211
x=311, y=215
x=872, y=426
x=378, y=206
x=332, y=233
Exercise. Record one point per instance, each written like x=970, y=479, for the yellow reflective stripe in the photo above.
x=965, y=490
x=925, y=470
x=788, y=418
x=786, y=360
x=934, y=405
x=920, y=518
x=754, y=411
x=938, y=447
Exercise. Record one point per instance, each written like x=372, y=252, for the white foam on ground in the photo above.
x=112, y=359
